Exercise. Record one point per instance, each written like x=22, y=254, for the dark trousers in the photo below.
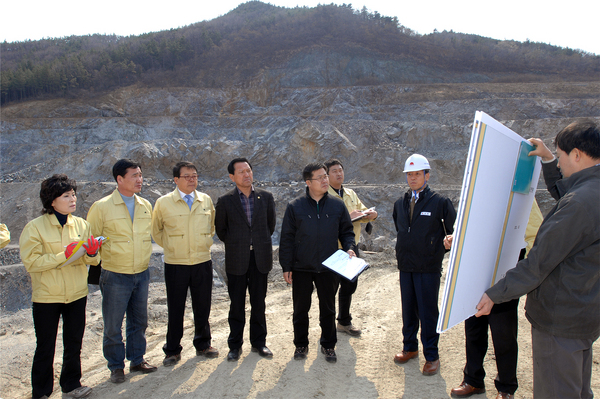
x=419, y=293
x=302, y=288
x=45, y=320
x=256, y=284
x=562, y=367
x=199, y=279
x=503, y=323
x=347, y=288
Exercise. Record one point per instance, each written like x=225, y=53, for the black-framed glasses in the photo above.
x=189, y=177
x=321, y=178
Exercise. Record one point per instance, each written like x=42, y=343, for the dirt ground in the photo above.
x=365, y=366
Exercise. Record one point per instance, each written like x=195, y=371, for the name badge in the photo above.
x=425, y=213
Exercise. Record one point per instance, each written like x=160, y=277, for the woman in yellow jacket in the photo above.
x=58, y=289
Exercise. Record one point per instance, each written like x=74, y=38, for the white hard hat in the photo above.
x=415, y=163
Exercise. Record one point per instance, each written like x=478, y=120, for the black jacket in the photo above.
x=561, y=274
x=309, y=236
x=420, y=246
x=232, y=227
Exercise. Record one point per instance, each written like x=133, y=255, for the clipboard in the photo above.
x=346, y=266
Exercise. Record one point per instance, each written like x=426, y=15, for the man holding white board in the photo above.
x=560, y=275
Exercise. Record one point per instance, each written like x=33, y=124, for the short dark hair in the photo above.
x=52, y=188
x=331, y=163
x=183, y=164
x=231, y=166
x=120, y=168
x=583, y=135
x=310, y=168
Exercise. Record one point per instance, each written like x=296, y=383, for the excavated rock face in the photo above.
x=371, y=129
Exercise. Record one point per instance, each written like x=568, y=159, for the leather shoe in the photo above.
x=209, y=352
x=262, y=351
x=465, y=390
x=405, y=356
x=234, y=354
x=117, y=376
x=350, y=329
x=431, y=367
x=171, y=360
x=505, y=395
x=144, y=367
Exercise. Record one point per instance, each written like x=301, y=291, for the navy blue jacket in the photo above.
x=419, y=245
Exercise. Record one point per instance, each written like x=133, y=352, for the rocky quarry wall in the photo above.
x=371, y=129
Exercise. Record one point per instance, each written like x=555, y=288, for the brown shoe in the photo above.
x=505, y=395
x=144, y=367
x=431, y=367
x=465, y=390
x=404, y=356
x=209, y=352
x=349, y=329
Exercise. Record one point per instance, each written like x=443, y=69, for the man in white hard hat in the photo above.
x=423, y=219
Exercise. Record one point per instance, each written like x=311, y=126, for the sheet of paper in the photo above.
x=341, y=263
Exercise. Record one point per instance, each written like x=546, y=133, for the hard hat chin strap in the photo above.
x=416, y=192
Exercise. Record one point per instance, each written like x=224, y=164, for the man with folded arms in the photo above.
x=183, y=224
x=245, y=220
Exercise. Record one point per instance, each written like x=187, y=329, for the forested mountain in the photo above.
x=258, y=43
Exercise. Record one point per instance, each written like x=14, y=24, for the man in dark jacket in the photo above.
x=561, y=274
x=422, y=218
x=244, y=221
x=312, y=226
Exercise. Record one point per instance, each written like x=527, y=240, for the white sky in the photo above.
x=571, y=24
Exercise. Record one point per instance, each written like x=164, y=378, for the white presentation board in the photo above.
x=497, y=194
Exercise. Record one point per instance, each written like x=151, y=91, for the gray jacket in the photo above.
x=561, y=275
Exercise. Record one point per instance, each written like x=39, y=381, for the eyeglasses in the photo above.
x=189, y=177
x=321, y=178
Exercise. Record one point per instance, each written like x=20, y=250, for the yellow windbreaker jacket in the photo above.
x=352, y=203
x=186, y=235
x=129, y=245
x=4, y=236
x=42, y=244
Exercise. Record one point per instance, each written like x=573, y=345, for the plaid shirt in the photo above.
x=247, y=204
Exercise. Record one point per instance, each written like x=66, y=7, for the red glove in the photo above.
x=70, y=249
x=92, y=246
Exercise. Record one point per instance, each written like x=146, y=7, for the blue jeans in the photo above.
x=124, y=294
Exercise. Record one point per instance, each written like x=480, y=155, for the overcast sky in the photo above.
x=573, y=24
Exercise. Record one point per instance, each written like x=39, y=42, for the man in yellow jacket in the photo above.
x=183, y=223
x=124, y=218
x=357, y=209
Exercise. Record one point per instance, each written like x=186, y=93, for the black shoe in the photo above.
x=263, y=351
x=117, y=376
x=330, y=355
x=300, y=352
x=234, y=354
x=144, y=367
x=171, y=360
